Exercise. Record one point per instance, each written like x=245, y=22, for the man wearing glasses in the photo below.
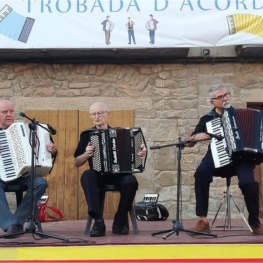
x=91, y=180
x=219, y=97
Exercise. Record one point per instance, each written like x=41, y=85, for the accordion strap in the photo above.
x=54, y=157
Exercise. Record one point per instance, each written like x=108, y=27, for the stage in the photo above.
x=237, y=244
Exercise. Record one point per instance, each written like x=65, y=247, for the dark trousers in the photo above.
x=91, y=182
x=245, y=173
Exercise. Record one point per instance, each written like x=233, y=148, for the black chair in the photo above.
x=18, y=190
x=112, y=188
x=227, y=200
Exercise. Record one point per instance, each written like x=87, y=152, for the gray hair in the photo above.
x=214, y=88
x=104, y=106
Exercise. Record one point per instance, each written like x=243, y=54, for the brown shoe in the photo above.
x=257, y=230
x=201, y=226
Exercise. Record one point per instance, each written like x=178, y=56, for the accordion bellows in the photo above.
x=243, y=136
x=116, y=150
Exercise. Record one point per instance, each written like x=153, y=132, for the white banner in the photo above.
x=86, y=24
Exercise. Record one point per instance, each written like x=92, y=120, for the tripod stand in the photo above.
x=30, y=227
x=177, y=225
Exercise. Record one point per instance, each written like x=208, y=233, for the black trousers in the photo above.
x=245, y=173
x=91, y=182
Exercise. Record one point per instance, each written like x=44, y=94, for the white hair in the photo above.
x=103, y=105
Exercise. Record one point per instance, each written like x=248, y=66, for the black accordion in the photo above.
x=243, y=131
x=116, y=150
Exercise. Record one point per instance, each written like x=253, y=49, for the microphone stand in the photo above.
x=30, y=227
x=177, y=225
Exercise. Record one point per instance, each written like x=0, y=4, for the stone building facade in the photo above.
x=167, y=99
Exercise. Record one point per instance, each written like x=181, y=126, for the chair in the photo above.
x=19, y=189
x=227, y=200
x=103, y=191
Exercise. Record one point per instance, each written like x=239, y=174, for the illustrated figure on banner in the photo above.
x=107, y=28
x=130, y=27
x=151, y=25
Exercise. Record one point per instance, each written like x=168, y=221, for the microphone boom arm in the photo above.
x=180, y=144
x=51, y=130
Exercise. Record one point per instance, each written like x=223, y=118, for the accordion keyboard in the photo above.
x=218, y=148
x=15, y=152
x=6, y=162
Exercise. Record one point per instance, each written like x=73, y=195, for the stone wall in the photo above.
x=168, y=100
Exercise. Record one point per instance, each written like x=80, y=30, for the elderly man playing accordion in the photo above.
x=9, y=222
x=244, y=169
x=91, y=179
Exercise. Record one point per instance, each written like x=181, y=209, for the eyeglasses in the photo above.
x=93, y=114
x=222, y=96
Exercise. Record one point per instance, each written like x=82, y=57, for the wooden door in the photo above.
x=64, y=190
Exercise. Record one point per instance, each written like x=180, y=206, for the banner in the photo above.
x=87, y=24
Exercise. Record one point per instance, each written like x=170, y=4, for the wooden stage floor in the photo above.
x=73, y=232
x=70, y=244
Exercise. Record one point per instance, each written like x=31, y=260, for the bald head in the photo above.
x=7, y=113
x=99, y=113
x=100, y=105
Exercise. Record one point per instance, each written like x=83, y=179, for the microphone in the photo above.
x=51, y=129
x=218, y=137
x=22, y=114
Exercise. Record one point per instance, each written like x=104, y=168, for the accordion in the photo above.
x=150, y=210
x=15, y=25
x=243, y=136
x=16, y=152
x=116, y=150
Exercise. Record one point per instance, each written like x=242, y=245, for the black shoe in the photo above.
x=20, y=228
x=129, y=43
x=12, y=230
x=98, y=229
x=120, y=230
